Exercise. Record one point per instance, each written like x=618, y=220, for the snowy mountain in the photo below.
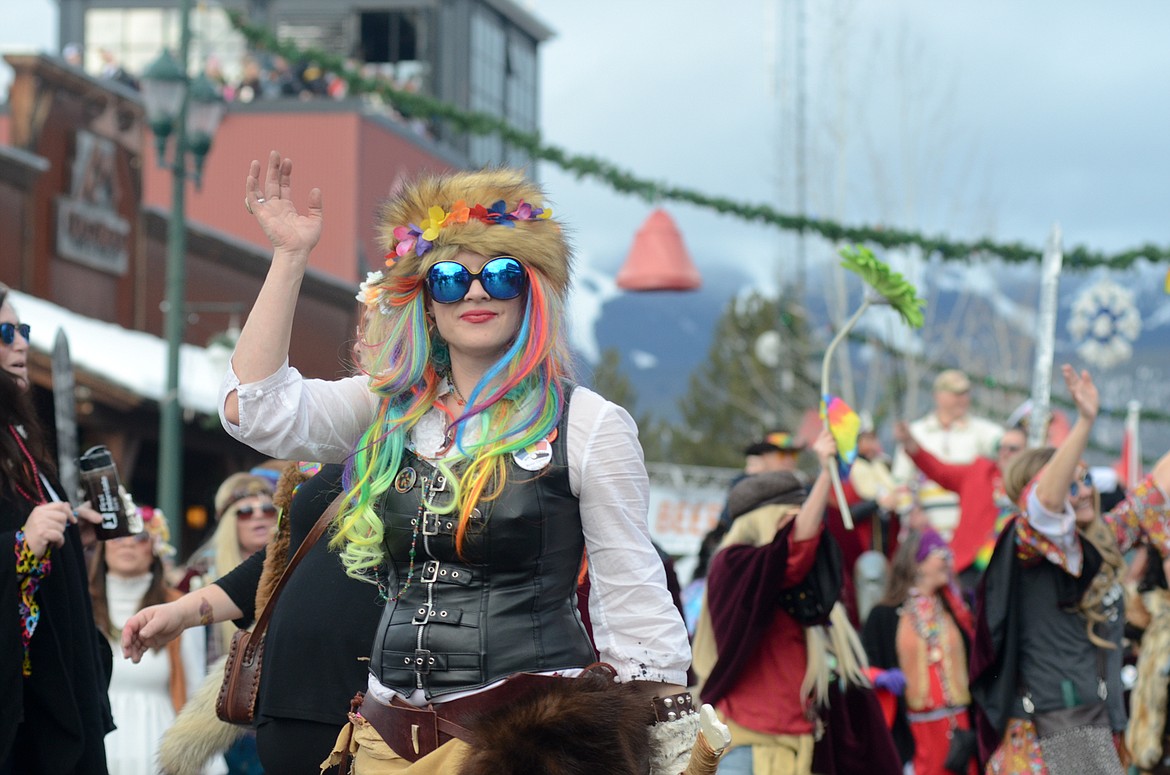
x=981, y=317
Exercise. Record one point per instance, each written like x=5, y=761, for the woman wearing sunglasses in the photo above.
x=1046, y=661
x=245, y=520
x=127, y=575
x=479, y=478
x=54, y=712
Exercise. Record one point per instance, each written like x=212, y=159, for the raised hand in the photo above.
x=271, y=202
x=904, y=437
x=825, y=448
x=1083, y=392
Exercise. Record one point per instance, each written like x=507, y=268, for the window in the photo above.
x=488, y=62
x=389, y=36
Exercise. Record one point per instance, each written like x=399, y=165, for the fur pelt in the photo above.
x=198, y=734
x=1147, y=703
x=276, y=554
x=541, y=244
x=581, y=726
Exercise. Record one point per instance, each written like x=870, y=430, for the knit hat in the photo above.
x=929, y=542
x=493, y=212
x=764, y=489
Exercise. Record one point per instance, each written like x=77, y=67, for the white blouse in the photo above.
x=636, y=626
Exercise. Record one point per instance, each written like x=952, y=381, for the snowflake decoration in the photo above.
x=1106, y=322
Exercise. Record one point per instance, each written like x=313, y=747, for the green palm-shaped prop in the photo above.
x=895, y=290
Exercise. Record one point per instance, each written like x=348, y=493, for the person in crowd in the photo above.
x=952, y=434
x=917, y=640
x=1046, y=662
x=251, y=86
x=481, y=480
x=983, y=505
x=112, y=70
x=870, y=473
x=316, y=649
x=245, y=521
x=126, y=576
x=761, y=656
x=1147, y=614
x=74, y=55
x=54, y=710
x=777, y=451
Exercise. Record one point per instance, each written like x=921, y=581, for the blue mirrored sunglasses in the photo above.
x=8, y=331
x=502, y=278
x=1085, y=481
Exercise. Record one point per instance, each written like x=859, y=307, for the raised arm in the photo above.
x=812, y=511
x=264, y=340
x=1053, y=486
x=947, y=475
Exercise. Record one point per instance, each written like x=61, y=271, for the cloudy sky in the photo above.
x=970, y=117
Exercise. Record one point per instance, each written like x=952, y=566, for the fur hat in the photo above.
x=757, y=490
x=493, y=212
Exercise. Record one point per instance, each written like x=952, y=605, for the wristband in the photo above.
x=673, y=707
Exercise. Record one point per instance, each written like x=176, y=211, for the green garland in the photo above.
x=427, y=108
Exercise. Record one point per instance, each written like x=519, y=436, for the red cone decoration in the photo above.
x=658, y=259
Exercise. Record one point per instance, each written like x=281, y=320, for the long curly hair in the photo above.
x=518, y=401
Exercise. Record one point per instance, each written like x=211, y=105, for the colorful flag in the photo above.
x=844, y=424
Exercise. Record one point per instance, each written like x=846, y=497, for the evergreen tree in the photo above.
x=610, y=381
x=735, y=397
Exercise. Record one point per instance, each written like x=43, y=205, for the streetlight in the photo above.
x=191, y=109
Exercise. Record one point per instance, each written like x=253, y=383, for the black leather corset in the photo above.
x=507, y=605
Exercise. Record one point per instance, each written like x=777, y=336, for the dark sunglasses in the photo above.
x=246, y=512
x=1085, y=481
x=502, y=278
x=8, y=331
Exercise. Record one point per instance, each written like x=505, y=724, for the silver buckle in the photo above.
x=430, y=523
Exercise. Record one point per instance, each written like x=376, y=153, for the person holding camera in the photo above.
x=54, y=711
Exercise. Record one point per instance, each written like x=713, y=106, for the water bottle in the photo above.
x=99, y=480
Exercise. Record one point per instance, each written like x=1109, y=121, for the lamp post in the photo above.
x=190, y=109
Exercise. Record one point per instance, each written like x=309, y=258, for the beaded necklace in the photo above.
x=30, y=463
x=927, y=620
x=430, y=487
x=383, y=586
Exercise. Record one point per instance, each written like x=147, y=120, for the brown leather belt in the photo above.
x=412, y=732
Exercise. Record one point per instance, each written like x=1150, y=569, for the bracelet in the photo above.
x=673, y=707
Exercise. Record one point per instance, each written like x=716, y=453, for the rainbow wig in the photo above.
x=518, y=401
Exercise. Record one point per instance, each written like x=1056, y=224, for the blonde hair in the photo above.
x=832, y=648
x=1023, y=469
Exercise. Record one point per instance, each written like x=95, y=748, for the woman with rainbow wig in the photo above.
x=481, y=483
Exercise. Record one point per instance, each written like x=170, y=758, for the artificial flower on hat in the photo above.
x=492, y=212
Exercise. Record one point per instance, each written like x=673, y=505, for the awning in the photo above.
x=132, y=360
